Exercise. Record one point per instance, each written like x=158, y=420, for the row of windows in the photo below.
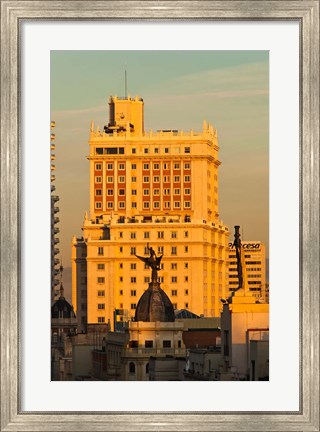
x=146, y=179
x=133, y=250
x=146, y=204
x=166, y=150
x=160, y=235
x=176, y=191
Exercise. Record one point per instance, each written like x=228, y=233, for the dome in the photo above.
x=61, y=308
x=154, y=305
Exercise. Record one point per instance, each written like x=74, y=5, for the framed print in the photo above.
x=46, y=47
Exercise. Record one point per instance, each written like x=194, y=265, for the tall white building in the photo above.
x=150, y=187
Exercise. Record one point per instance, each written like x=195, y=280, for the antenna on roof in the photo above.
x=125, y=83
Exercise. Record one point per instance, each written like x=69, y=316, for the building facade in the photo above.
x=55, y=271
x=254, y=269
x=150, y=187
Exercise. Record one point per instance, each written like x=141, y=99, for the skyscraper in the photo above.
x=157, y=187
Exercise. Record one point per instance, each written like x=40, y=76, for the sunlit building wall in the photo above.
x=254, y=260
x=156, y=187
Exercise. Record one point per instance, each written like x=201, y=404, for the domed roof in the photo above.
x=154, y=305
x=61, y=308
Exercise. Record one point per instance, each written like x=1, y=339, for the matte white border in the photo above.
x=281, y=393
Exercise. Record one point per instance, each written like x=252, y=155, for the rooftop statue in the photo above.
x=152, y=261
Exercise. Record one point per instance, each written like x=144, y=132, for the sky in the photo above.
x=180, y=89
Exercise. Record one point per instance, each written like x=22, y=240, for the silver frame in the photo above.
x=307, y=14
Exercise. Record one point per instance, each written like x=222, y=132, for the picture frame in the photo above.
x=15, y=12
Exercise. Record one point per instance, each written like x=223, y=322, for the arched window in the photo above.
x=132, y=368
x=147, y=368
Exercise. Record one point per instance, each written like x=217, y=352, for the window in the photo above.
x=176, y=166
x=174, y=279
x=186, y=234
x=121, y=234
x=132, y=368
x=100, y=266
x=186, y=248
x=160, y=249
x=101, y=319
x=109, y=166
x=133, y=151
x=175, y=306
x=100, y=279
x=167, y=204
x=110, y=192
x=121, y=192
x=176, y=179
x=133, y=279
x=121, y=292
x=133, y=179
x=186, y=278
x=187, y=204
x=133, y=235
x=166, y=150
x=122, y=179
x=132, y=250
x=98, y=179
x=146, y=204
x=134, y=192
x=98, y=205
x=156, y=204
x=101, y=306
x=146, y=234
x=146, y=179
x=110, y=205
x=166, y=344
x=146, y=191
x=156, y=179
x=146, y=166
x=156, y=150
x=146, y=151
x=121, y=265
x=98, y=192
x=174, y=234
x=174, y=266
x=160, y=279
x=160, y=234
x=166, y=191
x=156, y=191
x=187, y=178
x=121, y=249
x=110, y=179
x=100, y=251
x=173, y=250
x=133, y=166
x=166, y=179
x=174, y=293
x=121, y=166
x=187, y=191
x=156, y=166
x=176, y=191
x=186, y=305
x=147, y=279
x=186, y=292
x=148, y=344
x=98, y=167
x=187, y=149
x=133, y=205
x=165, y=166
x=133, y=306
x=133, y=293
x=177, y=204
x=187, y=166
x=101, y=293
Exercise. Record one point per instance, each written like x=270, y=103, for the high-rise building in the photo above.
x=54, y=221
x=254, y=269
x=150, y=187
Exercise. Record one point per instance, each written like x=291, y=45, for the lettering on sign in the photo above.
x=246, y=245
